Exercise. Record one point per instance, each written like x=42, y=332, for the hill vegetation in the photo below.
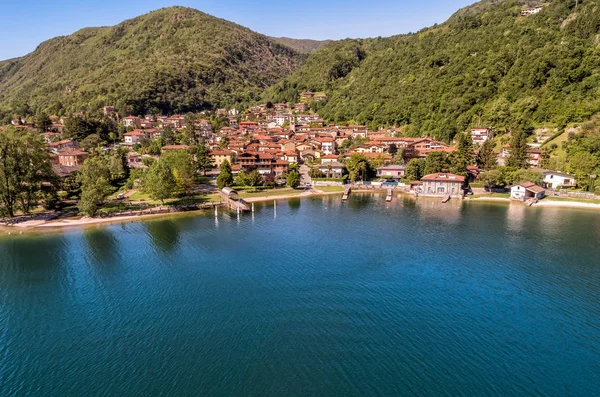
x=487, y=65
x=168, y=61
x=304, y=46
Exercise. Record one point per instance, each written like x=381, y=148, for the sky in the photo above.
x=25, y=24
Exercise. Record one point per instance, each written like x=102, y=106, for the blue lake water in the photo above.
x=321, y=298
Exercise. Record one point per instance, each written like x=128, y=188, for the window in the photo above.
x=441, y=190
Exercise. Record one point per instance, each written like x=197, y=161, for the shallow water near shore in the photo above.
x=313, y=297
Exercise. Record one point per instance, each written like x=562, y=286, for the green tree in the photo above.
x=254, y=178
x=525, y=175
x=117, y=165
x=519, y=151
x=94, y=177
x=486, y=158
x=42, y=122
x=225, y=178
x=436, y=162
x=204, y=161
x=168, y=135
x=293, y=179
x=415, y=169
x=490, y=179
x=182, y=165
x=24, y=166
x=159, y=181
x=358, y=167
x=242, y=179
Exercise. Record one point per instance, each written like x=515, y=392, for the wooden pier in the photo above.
x=388, y=198
x=346, y=194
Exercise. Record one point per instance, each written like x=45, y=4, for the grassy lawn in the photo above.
x=573, y=199
x=193, y=199
x=269, y=192
x=330, y=189
x=491, y=195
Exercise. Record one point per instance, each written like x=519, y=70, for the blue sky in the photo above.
x=26, y=23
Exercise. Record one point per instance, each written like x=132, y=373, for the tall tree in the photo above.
x=24, y=166
x=486, y=158
x=293, y=179
x=435, y=162
x=182, y=166
x=519, y=151
x=225, y=177
x=415, y=169
x=94, y=177
x=159, y=181
x=204, y=161
x=42, y=122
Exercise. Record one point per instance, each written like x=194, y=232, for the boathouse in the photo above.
x=230, y=193
x=526, y=191
x=443, y=184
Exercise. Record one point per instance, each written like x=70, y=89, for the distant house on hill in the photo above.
x=109, y=110
x=70, y=157
x=531, y=11
x=480, y=135
x=132, y=121
x=135, y=136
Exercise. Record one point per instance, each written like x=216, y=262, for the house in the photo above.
x=480, y=135
x=319, y=97
x=55, y=147
x=330, y=158
x=535, y=157
x=281, y=118
x=527, y=190
x=71, y=157
x=307, y=96
x=393, y=171
x=220, y=156
x=135, y=136
x=557, y=180
x=132, y=121
x=442, y=184
x=328, y=145
x=531, y=11
x=332, y=169
x=300, y=107
x=109, y=110
x=280, y=107
x=146, y=124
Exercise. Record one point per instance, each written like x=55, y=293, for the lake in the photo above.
x=316, y=297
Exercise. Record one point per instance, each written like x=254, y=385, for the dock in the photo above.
x=389, y=195
x=346, y=194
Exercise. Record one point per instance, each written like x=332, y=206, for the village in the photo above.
x=272, y=141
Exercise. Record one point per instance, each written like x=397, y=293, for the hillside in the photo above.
x=171, y=60
x=487, y=65
x=304, y=46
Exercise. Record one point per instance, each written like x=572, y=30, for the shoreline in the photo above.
x=72, y=223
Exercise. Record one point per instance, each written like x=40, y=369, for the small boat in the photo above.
x=446, y=198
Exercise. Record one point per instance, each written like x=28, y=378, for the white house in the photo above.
x=527, y=190
x=135, y=136
x=480, y=135
x=556, y=180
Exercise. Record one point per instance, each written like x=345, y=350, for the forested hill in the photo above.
x=171, y=60
x=487, y=65
x=304, y=46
